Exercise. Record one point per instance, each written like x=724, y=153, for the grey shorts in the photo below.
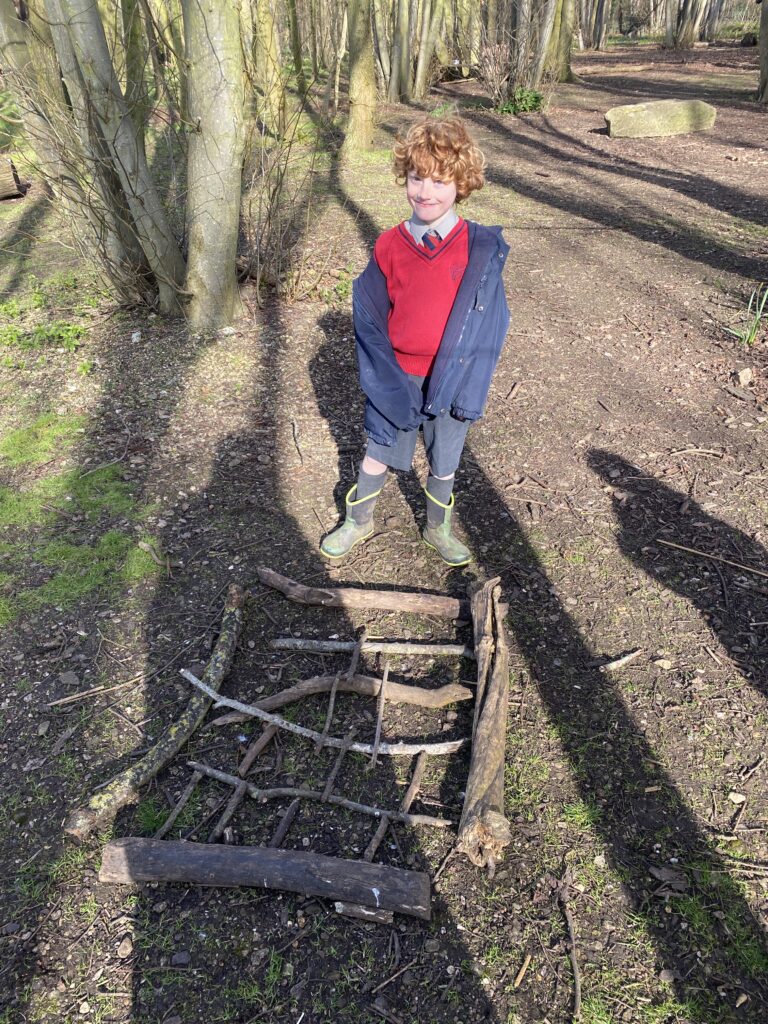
x=444, y=438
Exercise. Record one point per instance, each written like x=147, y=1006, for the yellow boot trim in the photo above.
x=359, y=501
x=450, y=504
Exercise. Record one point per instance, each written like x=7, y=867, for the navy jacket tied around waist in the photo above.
x=467, y=356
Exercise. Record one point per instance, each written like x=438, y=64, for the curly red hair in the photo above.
x=441, y=149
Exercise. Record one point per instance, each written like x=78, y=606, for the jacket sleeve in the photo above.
x=472, y=393
x=388, y=389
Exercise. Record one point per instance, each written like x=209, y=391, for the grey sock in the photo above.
x=367, y=484
x=441, y=490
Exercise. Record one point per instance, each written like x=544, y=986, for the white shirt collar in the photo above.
x=443, y=227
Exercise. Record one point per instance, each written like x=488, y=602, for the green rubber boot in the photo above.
x=450, y=548
x=357, y=527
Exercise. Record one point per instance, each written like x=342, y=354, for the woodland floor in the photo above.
x=615, y=423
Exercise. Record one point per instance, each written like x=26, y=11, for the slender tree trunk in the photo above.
x=107, y=102
x=266, y=61
x=332, y=85
x=298, y=64
x=399, y=79
x=670, y=23
x=492, y=21
x=427, y=48
x=362, y=80
x=217, y=108
x=175, y=32
x=562, y=41
x=134, y=44
x=546, y=23
x=313, y=38
x=689, y=23
x=762, y=92
x=382, y=41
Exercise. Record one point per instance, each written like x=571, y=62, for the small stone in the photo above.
x=125, y=949
x=43, y=728
x=741, y=998
x=69, y=679
x=743, y=376
x=160, y=906
x=664, y=663
x=10, y=929
x=737, y=798
x=668, y=976
x=432, y=946
x=180, y=959
x=599, y=860
x=84, y=1008
x=227, y=332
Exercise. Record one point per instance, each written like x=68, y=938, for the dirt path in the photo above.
x=615, y=428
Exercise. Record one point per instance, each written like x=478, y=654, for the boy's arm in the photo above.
x=472, y=393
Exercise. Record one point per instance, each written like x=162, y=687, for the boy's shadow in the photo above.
x=649, y=511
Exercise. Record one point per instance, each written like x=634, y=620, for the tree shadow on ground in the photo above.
x=730, y=599
x=642, y=817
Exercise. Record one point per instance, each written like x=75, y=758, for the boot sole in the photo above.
x=454, y=565
x=335, y=558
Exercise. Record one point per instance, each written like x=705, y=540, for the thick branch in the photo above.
x=124, y=789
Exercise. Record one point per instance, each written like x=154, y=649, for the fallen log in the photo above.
x=10, y=186
x=483, y=829
x=354, y=597
x=388, y=749
x=126, y=861
x=388, y=647
x=125, y=787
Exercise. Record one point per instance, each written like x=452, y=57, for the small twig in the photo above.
x=262, y=795
x=388, y=647
x=392, y=977
x=329, y=714
x=512, y=393
x=379, y=716
x=621, y=662
x=697, y=451
x=287, y=820
x=296, y=440
x=179, y=806
x=445, y=862
x=256, y=747
x=331, y=780
x=748, y=774
x=389, y=749
x=714, y=558
x=82, y=694
x=234, y=802
x=522, y=972
x=405, y=805
x=563, y=897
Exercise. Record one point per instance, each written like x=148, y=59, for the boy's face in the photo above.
x=430, y=198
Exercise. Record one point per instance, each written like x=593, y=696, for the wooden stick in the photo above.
x=390, y=749
x=329, y=713
x=189, y=789
x=563, y=897
x=234, y=802
x=125, y=788
x=287, y=820
x=405, y=806
x=257, y=746
x=379, y=716
x=484, y=831
x=262, y=795
x=363, y=913
x=331, y=780
x=388, y=647
x=611, y=666
x=522, y=972
x=146, y=860
x=353, y=597
x=714, y=558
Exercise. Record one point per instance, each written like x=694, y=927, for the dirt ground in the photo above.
x=622, y=437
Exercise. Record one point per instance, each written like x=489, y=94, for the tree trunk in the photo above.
x=332, y=85
x=559, y=59
x=135, y=49
x=762, y=92
x=399, y=79
x=107, y=103
x=546, y=23
x=298, y=64
x=689, y=23
x=362, y=81
x=492, y=21
x=712, y=20
x=670, y=12
x=266, y=60
x=427, y=47
x=215, y=161
x=382, y=41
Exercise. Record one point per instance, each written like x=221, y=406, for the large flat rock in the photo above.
x=660, y=117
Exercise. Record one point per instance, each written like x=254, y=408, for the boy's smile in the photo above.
x=430, y=198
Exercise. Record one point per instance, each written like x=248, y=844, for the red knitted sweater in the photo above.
x=422, y=287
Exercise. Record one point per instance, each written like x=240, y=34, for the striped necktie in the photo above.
x=426, y=239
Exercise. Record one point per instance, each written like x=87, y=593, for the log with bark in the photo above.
x=125, y=788
x=355, y=597
x=484, y=830
x=375, y=885
x=10, y=186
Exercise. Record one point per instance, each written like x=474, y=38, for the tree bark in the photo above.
x=362, y=80
x=266, y=62
x=670, y=23
x=295, y=33
x=150, y=860
x=427, y=48
x=382, y=41
x=560, y=44
x=215, y=159
x=136, y=54
x=106, y=101
x=762, y=92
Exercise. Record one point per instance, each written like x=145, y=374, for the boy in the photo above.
x=430, y=319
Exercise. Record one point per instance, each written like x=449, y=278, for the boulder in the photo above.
x=660, y=117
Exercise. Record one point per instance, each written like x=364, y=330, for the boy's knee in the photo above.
x=449, y=477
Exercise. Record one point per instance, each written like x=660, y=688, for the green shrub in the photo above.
x=523, y=101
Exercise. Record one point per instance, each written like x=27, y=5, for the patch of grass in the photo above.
x=595, y=1011
x=69, y=866
x=523, y=101
x=150, y=815
x=583, y=814
x=36, y=443
x=102, y=491
x=755, y=318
